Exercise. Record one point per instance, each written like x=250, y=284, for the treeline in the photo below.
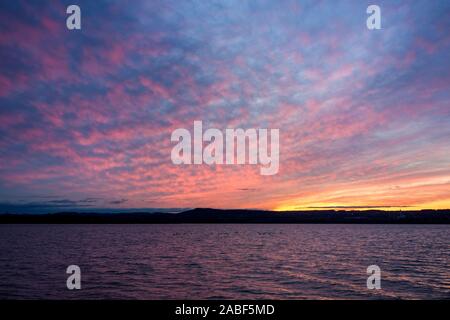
x=238, y=216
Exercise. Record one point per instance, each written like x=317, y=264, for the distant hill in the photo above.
x=203, y=215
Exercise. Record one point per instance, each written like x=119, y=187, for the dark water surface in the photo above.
x=225, y=261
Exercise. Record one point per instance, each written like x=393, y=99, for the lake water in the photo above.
x=225, y=261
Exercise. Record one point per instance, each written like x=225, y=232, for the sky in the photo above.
x=86, y=115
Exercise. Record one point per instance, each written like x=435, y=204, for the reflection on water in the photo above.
x=224, y=261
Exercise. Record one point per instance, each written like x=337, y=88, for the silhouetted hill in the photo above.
x=202, y=215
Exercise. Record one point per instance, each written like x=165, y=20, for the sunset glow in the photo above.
x=86, y=116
